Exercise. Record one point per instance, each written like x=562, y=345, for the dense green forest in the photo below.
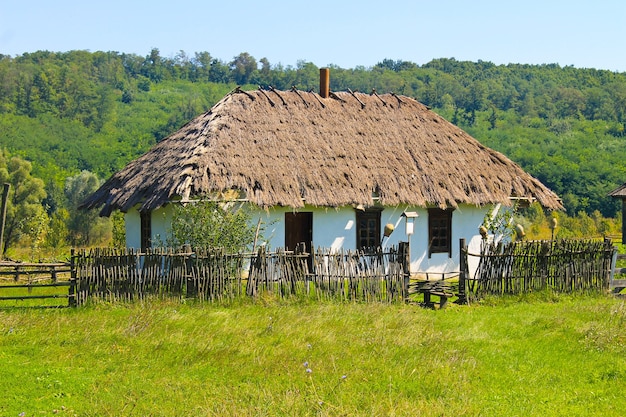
x=89, y=113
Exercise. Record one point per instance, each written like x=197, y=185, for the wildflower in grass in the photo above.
x=308, y=370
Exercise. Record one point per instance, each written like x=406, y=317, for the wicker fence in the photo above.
x=559, y=265
x=128, y=274
x=356, y=275
x=373, y=276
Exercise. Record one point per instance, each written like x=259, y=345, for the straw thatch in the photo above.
x=290, y=148
x=619, y=192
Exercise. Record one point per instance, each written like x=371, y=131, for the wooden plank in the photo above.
x=4, y=264
x=618, y=283
x=27, y=297
x=56, y=284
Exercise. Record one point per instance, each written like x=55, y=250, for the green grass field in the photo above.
x=542, y=355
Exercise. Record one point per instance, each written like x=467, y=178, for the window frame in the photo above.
x=145, y=221
x=440, y=229
x=372, y=217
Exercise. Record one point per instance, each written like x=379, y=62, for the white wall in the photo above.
x=160, y=223
x=132, y=221
x=335, y=228
x=332, y=228
x=465, y=223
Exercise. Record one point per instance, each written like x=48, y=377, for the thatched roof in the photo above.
x=290, y=148
x=619, y=192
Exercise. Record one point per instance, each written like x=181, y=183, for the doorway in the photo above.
x=298, y=229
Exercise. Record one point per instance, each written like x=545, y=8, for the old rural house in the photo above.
x=329, y=169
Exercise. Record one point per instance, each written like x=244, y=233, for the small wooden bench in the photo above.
x=439, y=289
x=617, y=285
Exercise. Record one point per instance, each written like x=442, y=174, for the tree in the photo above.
x=85, y=227
x=219, y=72
x=25, y=197
x=202, y=65
x=153, y=66
x=242, y=67
x=209, y=224
x=57, y=229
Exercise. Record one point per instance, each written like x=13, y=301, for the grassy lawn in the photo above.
x=543, y=355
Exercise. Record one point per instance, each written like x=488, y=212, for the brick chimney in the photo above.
x=324, y=82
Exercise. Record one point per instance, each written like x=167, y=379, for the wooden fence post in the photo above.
x=71, y=301
x=610, y=258
x=405, y=260
x=463, y=268
x=3, y=216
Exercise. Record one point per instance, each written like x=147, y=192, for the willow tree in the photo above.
x=85, y=226
x=24, y=201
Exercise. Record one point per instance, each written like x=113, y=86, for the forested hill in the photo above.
x=72, y=111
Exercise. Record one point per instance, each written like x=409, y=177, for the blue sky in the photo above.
x=344, y=33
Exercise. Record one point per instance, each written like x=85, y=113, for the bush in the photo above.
x=209, y=224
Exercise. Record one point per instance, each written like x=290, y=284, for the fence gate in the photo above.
x=36, y=284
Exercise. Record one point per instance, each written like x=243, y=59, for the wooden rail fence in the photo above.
x=42, y=282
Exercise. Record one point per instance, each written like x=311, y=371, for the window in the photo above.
x=146, y=229
x=439, y=231
x=368, y=228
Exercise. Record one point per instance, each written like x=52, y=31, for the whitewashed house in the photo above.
x=328, y=169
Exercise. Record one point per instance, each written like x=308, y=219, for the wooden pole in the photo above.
x=405, y=257
x=463, y=268
x=72, y=292
x=3, y=216
x=623, y=221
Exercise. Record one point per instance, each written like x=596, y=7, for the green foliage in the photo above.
x=209, y=224
x=538, y=225
x=57, y=230
x=24, y=200
x=500, y=223
x=85, y=227
x=38, y=228
x=118, y=230
x=73, y=111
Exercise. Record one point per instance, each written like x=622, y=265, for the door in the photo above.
x=298, y=229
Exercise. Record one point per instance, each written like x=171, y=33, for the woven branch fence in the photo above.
x=127, y=274
x=356, y=275
x=559, y=265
